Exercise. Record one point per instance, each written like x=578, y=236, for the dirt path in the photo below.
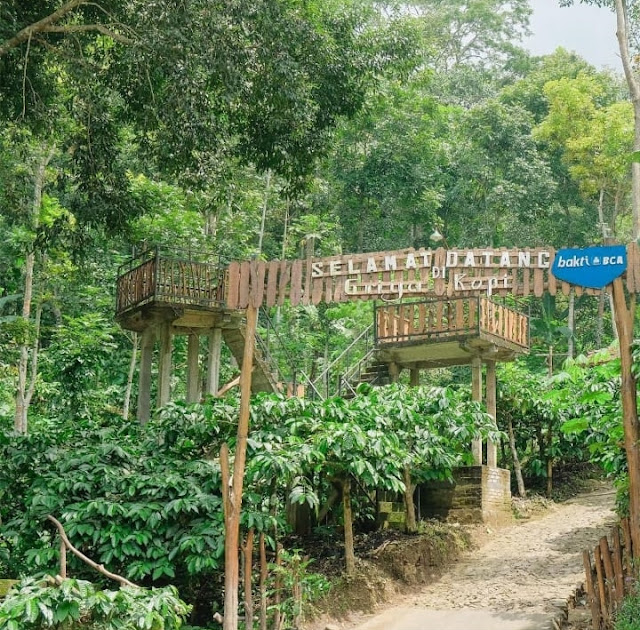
x=517, y=573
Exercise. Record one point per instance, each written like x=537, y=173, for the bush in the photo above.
x=628, y=617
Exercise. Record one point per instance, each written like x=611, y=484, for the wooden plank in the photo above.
x=283, y=281
x=422, y=318
x=592, y=597
x=631, y=254
x=328, y=289
x=439, y=315
x=258, y=272
x=295, y=293
x=245, y=279
x=551, y=279
x=306, y=294
x=439, y=261
x=608, y=573
x=628, y=555
x=616, y=556
x=526, y=281
x=602, y=593
x=566, y=288
x=317, y=289
x=272, y=283
x=538, y=282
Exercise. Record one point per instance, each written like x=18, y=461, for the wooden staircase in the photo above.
x=262, y=378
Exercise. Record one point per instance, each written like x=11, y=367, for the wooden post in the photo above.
x=193, y=372
x=602, y=593
x=414, y=377
x=232, y=487
x=164, y=365
x=476, y=394
x=213, y=362
x=144, y=380
x=592, y=598
x=263, y=582
x=624, y=325
x=492, y=447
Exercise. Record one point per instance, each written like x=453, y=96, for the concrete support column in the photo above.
x=394, y=372
x=193, y=372
x=213, y=362
x=414, y=377
x=147, y=340
x=476, y=394
x=492, y=447
x=164, y=365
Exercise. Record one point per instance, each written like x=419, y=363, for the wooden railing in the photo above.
x=154, y=275
x=450, y=318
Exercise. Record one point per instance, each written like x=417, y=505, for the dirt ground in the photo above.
x=526, y=567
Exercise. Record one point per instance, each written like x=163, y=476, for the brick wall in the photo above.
x=477, y=494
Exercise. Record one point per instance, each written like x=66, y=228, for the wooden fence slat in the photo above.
x=283, y=281
x=616, y=555
x=628, y=552
x=602, y=593
x=609, y=574
x=258, y=272
x=551, y=279
x=272, y=283
x=592, y=597
x=295, y=292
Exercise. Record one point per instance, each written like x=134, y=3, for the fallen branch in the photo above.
x=94, y=565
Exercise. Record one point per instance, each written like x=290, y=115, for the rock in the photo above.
x=331, y=626
x=579, y=615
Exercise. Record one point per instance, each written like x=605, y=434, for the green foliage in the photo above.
x=305, y=586
x=35, y=605
x=628, y=616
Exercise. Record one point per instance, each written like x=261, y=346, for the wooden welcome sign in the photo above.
x=405, y=273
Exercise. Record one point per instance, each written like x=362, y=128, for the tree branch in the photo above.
x=83, y=28
x=37, y=27
x=91, y=563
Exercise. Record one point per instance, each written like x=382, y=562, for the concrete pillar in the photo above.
x=492, y=447
x=164, y=365
x=476, y=394
x=394, y=372
x=193, y=372
x=147, y=340
x=414, y=377
x=213, y=362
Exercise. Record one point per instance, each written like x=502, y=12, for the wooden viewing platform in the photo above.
x=156, y=279
x=432, y=333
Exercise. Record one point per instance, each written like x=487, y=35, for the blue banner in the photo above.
x=592, y=267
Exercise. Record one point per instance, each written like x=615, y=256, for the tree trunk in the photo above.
x=549, y=458
x=622, y=34
x=629, y=411
x=232, y=487
x=132, y=370
x=265, y=205
x=571, y=324
x=22, y=404
x=600, y=320
x=349, y=553
x=410, y=524
x=247, y=553
x=517, y=469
